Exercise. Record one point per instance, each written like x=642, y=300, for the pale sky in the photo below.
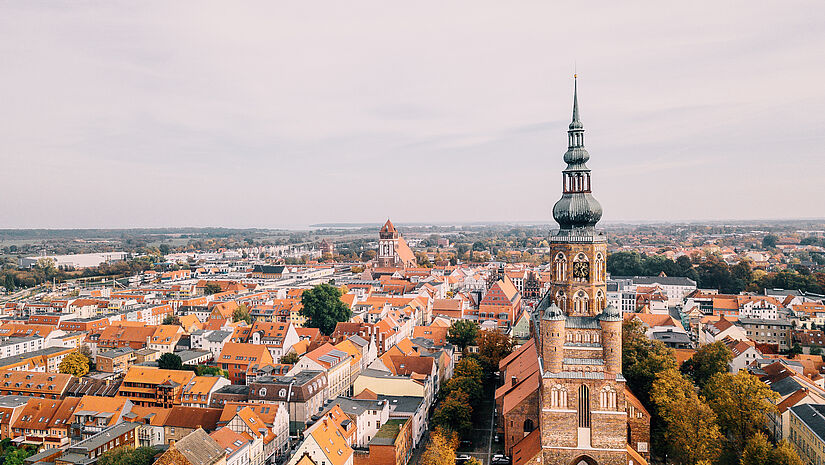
x=272, y=114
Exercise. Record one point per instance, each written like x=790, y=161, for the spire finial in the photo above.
x=576, y=123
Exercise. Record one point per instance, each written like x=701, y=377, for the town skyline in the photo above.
x=116, y=111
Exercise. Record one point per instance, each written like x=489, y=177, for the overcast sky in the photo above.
x=240, y=114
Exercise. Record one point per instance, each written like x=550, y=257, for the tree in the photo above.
x=709, y=360
x=643, y=359
x=128, y=456
x=492, y=347
x=438, y=451
x=757, y=450
x=769, y=241
x=785, y=454
x=75, y=364
x=164, y=249
x=323, y=308
x=211, y=288
x=170, y=361
x=171, y=320
x=242, y=314
x=816, y=350
x=468, y=368
x=455, y=413
x=467, y=385
x=462, y=333
x=740, y=402
x=691, y=432
x=290, y=358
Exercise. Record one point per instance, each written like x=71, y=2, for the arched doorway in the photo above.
x=583, y=460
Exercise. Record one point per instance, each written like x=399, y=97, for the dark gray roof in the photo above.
x=218, y=336
x=269, y=269
x=189, y=355
x=813, y=416
x=762, y=321
x=103, y=437
x=299, y=379
x=402, y=404
x=116, y=352
x=671, y=336
x=786, y=386
x=582, y=322
x=17, y=358
x=354, y=406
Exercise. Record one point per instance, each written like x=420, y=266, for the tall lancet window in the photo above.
x=584, y=406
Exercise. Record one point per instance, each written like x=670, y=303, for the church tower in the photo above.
x=583, y=417
x=387, y=244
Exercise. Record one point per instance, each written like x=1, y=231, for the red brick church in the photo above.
x=564, y=400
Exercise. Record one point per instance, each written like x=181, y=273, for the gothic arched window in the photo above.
x=581, y=303
x=558, y=397
x=561, y=267
x=600, y=268
x=607, y=398
x=600, y=301
x=561, y=300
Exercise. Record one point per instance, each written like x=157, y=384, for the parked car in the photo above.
x=499, y=459
x=465, y=444
x=462, y=459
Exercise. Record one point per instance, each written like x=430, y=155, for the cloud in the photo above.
x=269, y=114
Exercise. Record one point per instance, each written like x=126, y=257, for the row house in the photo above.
x=334, y=363
x=237, y=358
x=211, y=340
x=94, y=414
x=44, y=422
x=154, y=387
x=274, y=415
x=34, y=384
x=304, y=394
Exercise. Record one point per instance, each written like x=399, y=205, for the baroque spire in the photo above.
x=577, y=211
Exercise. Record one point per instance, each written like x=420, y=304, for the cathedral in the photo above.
x=564, y=399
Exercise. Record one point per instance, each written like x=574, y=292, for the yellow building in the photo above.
x=807, y=430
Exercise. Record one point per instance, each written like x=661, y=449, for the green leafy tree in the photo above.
x=455, y=413
x=643, y=359
x=323, y=308
x=128, y=456
x=740, y=402
x=164, y=249
x=769, y=241
x=170, y=361
x=290, y=358
x=709, y=360
x=171, y=320
x=242, y=314
x=211, y=288
x=75, y=364
x=462, y=333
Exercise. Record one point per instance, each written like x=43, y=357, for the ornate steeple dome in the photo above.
x=577, y=211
